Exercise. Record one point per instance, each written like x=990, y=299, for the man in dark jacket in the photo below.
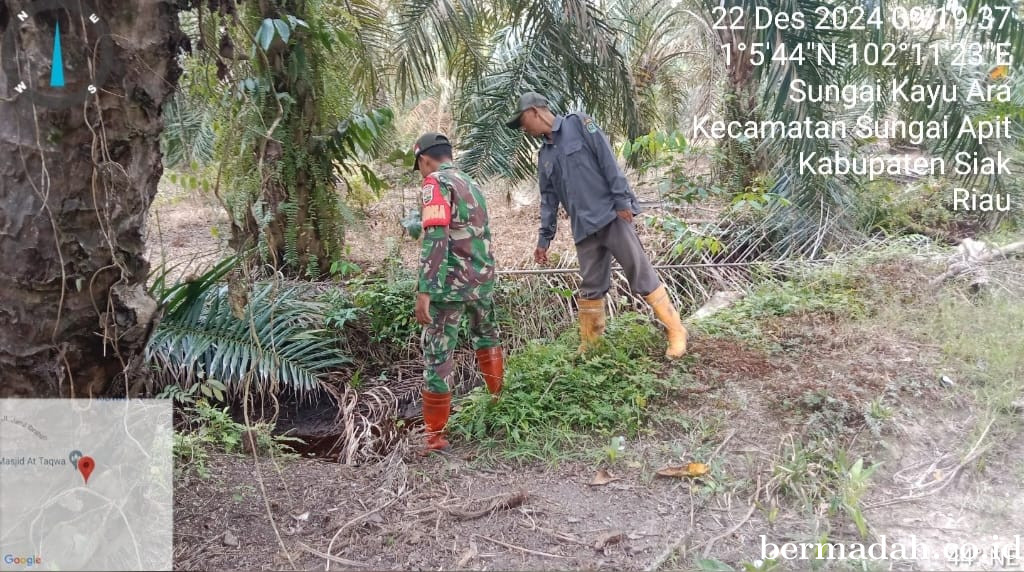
x=578, y=171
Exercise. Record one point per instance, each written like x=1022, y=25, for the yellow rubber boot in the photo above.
x=591, y=322
x=668, y=315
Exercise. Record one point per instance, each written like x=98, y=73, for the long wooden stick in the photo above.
x=330, y=546
x=662, y=267
x=710, y=543
x=335, y=559
x=521, y=549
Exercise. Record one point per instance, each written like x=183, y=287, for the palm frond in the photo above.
x=188, y=132
x=488, y=149
x=996, y=30
x=278, y=340
x=650, y=40
x=430, y=32
x=943, y=73
x=565, y=50
x=367, y=42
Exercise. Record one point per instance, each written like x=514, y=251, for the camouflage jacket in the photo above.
x=456, y=263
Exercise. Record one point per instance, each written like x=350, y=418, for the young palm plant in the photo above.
x=264, y=342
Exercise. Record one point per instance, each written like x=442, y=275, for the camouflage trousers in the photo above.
x=442, y=336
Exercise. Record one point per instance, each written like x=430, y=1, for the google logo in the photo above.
x=29, y=561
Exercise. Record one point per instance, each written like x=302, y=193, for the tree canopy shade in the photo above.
x=568, y=50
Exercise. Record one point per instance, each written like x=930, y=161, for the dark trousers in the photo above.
x=617, y=239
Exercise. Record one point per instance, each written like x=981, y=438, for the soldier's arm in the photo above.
x=436, y=214
x=609, y=168
x=548, y=211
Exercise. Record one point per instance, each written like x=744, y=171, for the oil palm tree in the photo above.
x=495, y=50
x=76, y=187
x=301, y=95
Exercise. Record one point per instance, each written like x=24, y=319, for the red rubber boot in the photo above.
x=492, y=367
x=436, y=409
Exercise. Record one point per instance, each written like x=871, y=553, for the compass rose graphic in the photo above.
x=56, y=53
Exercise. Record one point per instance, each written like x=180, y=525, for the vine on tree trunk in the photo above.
x=282, y=170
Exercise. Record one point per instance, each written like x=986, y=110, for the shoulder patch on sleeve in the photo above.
x=590, y=124
x=427, y=192
x=436, y=209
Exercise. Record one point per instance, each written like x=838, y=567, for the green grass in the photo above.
x=554, y=399
x=839, y=291
x=982, y=343
x=212, y=429
x=389, y=307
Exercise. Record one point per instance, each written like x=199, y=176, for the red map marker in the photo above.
x=85, y=466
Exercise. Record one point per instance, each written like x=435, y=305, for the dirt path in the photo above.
x=423, y=522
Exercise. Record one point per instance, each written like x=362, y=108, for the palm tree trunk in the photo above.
x=303, y=231
x=75, y=186
x=740, y=161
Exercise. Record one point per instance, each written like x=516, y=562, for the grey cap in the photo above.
x=426, y=141
x=526, y=101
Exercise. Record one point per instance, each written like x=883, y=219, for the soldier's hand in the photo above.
x=423, y=308
x=626, y=215
x=540, y=256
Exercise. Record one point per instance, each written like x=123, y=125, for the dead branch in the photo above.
x=539, y=271
x=734, y=528
x=556, y=534
x=721, y=446
x=503, y=502
x=607, y=538
x=359, y=518
x=971, y=255
x=335, y=559
x=976, y=451
x=521, y=549
x=719, y=301
x=470, y=554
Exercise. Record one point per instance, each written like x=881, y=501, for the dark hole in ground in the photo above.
x=324, y=437
x=315, y=423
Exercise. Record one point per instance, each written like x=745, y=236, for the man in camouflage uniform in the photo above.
x=456, y=279
x=577, y=171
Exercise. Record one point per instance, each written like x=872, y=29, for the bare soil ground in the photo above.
x=515, y=217
x=186, y=232
x=405, y=514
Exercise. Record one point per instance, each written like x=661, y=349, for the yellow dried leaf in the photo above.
x=999, y=72
x=697, y=469
x=689, y=470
